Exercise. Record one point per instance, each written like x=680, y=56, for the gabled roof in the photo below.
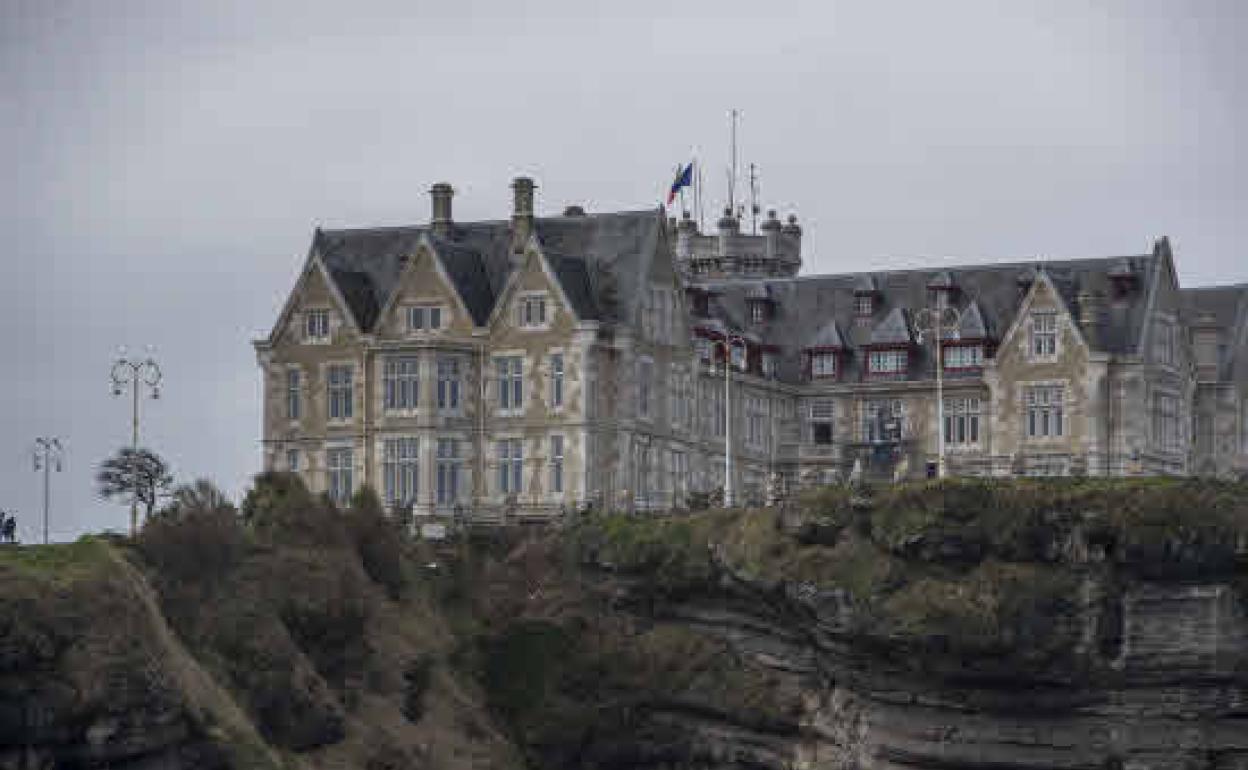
x=804, y=305
x=828, y=336
x=893, y=330
x=600, y=261
x=1226, y=308
x=972, y=325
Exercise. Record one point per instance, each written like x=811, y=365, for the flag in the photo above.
x=684, y=178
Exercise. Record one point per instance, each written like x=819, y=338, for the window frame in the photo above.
x=534, y=310
x=878, y=357
x=509, y=380
x=1044, y=411
x=400, y=380
x=1043, y=344
x=338, y=472
x=448, y=384
x=427, y=312
x=316, y=326
x=557, y=373
x=400, y=473
x=340, y=395
x=294, y=393
x=557, y=449
x=509, y=454
x=447, y=471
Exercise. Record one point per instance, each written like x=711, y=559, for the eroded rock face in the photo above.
x=1170, y=694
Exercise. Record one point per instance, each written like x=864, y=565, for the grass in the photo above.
x=61, y=563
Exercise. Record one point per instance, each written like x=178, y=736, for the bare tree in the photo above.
x=140, y=474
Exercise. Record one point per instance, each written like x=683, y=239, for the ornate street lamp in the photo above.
x=933, y=323
x=49, y=455
x=729, y=342
x=135, y=373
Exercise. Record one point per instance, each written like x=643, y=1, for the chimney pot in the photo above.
x=522, y=212
x=441, y=194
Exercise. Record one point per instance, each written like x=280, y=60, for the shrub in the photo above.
x=378, y=541
x=197, y=545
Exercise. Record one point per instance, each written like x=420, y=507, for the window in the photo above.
x=401, y=470
x=645, y=373
x=556, y=380
x=1045, y=411
x=1043, y=334
x=823, y=364
x=883, y=419
x=758, y=312
x=864, y=305
x=680, y=474
x=448, y=471
x=448, y=383
x=316, y=325
x=421, y=318
x=340, y=396
x=510, y=466
x=292, y=460
x=401, y=382
x=962, y=420
x=713, y=398
x=702, y=346
x=556, y=464
x=755, y=421
x=822, y=415
x=510, y=370
x=1166, y=422
x=888, y=361
x=292, y=394
x=963, y=356
x=738, y=356
x=771, y=366
x=532, y=310
x=1166, y=342
x=339, y=461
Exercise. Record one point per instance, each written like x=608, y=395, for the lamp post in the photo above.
x=48, y=455
x=134, y=373
x=729, y=342
x=933, y=322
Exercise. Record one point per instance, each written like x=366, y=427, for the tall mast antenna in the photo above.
x=732, y=173
x=753, y=199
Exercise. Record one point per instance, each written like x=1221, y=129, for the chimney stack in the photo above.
x=522, y=212
x=771, y=236
x=1089, y=310
x=440, y=223
x=1206, y=338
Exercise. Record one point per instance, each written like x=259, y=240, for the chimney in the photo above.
x=729, y=227
x=685, y=230
x=441, y=194
x=522, y=212
x=792, y=241
x=1205, y=339
x=1089, y=309
x=771, y=235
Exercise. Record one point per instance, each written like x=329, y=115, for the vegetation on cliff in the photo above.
x=291, y=633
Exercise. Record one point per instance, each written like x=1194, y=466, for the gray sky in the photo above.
x=164, y=162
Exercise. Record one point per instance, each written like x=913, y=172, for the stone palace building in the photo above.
x=532, y=364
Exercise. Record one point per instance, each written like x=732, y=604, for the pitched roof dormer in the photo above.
x=894, y=331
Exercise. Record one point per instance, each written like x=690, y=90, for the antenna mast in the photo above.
x=753, y=199
x=732, y=173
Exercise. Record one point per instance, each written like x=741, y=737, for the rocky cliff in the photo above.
x=959, y=625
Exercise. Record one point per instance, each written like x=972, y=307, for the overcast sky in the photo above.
x=164, y=162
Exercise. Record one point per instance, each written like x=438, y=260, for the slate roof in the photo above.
x=599, y=260
x=804, y=305
x=829, y=336
x=1227, y=306
x=893, y=330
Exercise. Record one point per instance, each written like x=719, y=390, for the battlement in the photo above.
x=729, y=253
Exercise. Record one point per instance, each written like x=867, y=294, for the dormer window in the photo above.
x=771, y=365
x=532, y=310
x=864, y=305
x=738, y=356
x=888, y=361
x=963, y=356
x=424, y=318
x=824, y=364
x=758, y=311
x=316, y=325
x=702, y=346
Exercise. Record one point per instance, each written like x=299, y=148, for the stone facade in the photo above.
x=526, y=366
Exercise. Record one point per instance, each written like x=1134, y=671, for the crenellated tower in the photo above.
x=729, y=253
